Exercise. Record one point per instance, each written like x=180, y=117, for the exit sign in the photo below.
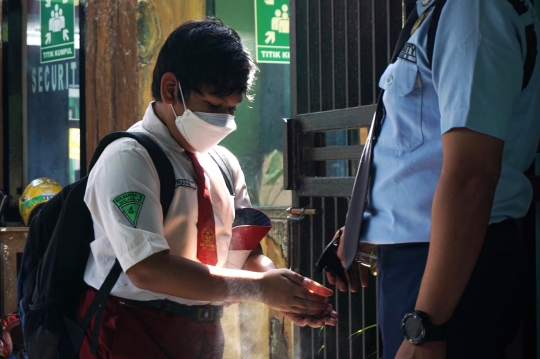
x=272, y=24
x=57, y=30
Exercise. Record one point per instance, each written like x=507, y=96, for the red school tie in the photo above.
x=206, y=226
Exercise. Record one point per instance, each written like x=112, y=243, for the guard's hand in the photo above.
x=291, y=292
x=356, y=274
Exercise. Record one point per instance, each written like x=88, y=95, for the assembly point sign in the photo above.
x=57, y=30
x=272, y=19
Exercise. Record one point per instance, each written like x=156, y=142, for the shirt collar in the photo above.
x=423, y=5
x=153, y=124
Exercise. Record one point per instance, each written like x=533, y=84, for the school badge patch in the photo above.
x=130, y=204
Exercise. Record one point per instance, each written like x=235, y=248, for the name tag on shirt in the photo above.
x=185, y=183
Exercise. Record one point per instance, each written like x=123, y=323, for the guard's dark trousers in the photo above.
x=489, y=313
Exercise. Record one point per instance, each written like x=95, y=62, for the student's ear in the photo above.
x=169, y=88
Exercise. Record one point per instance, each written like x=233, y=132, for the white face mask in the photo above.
x=202, y=130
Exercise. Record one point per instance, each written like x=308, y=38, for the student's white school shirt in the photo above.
x=123, y=197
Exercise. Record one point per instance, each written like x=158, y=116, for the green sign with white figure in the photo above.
x=272, y=24
x=57, y=30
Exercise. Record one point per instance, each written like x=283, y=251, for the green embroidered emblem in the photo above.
x=130, y=203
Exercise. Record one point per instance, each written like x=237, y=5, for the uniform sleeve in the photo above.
x=123, y=197
x=478, y=65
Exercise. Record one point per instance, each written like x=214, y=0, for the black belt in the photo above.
x=199, y=313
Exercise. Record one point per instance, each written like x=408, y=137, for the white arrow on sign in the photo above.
x=270, y=37
x=65, y=1
x=47, y=3
x=65, y=35
x=47, y=38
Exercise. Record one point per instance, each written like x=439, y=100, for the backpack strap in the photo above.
x=530, y=34
x=167, y=181
x=98, y=304
x=432, y=31
x=161, y=162
x=224, y=166
x=530, y=57
x=410, y=5
x=404, y=36
x=530, y=37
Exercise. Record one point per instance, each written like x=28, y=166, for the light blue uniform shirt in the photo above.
x=475, y=82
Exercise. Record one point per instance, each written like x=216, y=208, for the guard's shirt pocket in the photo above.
x=402, y=126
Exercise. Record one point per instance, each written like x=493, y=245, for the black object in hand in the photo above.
x=329, y=260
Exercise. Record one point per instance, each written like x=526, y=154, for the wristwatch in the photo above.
x=418, y=329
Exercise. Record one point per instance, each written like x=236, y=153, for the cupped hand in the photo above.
x=356, y=274
x=290, y=292
x=327, y=317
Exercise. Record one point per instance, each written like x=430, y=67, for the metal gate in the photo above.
x=339, y=49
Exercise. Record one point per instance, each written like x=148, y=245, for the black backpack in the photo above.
x=50, y=282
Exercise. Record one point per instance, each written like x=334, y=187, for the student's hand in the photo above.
x=431, y=350
x=290, y=292
x=356, y=274
x=327, y=317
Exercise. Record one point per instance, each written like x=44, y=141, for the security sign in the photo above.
x=57, y=30
x=272, y=25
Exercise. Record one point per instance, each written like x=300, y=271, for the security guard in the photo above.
x=447, y=182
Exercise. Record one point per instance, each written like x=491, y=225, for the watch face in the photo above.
x=414, y=329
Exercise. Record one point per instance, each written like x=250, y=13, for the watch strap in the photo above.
x=433, y=333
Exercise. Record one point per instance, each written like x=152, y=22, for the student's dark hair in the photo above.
x=205, y=53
